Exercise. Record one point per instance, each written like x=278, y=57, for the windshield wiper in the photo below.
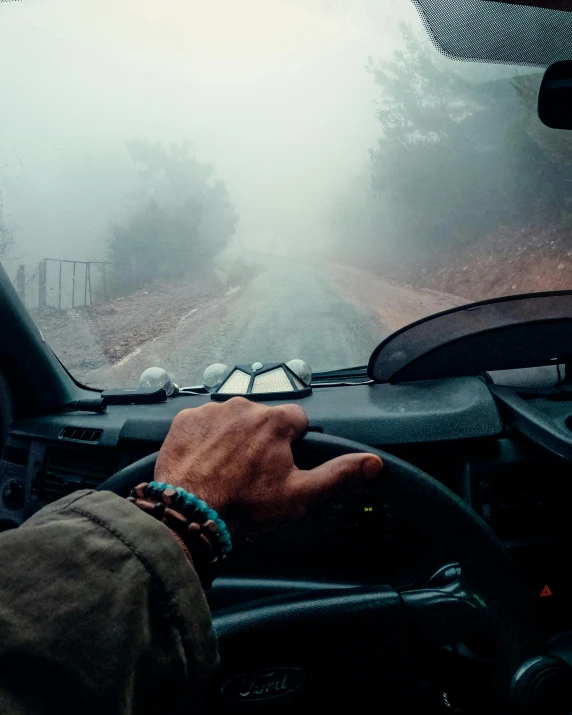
x=337, y=378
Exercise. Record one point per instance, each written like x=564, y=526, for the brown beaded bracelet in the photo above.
x=200, y=540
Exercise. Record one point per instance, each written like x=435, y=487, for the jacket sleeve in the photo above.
x=100, y=612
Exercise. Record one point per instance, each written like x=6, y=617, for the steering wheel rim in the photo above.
x=489, y=576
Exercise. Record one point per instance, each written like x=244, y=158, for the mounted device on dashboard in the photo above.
x=274, y=381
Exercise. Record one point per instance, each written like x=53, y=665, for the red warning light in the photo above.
x=545, y=592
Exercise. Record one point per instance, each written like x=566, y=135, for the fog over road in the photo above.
x=332, y=317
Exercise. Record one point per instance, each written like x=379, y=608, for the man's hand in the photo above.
x=237, y=456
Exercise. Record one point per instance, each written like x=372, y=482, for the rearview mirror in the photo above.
x=555, y=96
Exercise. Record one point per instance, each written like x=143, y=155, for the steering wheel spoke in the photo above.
x=348, y=646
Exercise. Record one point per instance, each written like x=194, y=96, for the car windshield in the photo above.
x=241, y=181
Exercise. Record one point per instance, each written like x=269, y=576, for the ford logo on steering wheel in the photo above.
x=263, y=685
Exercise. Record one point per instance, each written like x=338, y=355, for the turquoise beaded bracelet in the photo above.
x=199, y=510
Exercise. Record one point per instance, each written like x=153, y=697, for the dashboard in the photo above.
x=475, y=436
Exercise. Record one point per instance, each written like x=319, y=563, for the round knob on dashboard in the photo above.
x=13, y=494
x=542, y=686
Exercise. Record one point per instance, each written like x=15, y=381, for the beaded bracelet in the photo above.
x=202, y=531
x=195, y=508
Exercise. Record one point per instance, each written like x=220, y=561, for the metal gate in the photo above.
x=63, y=283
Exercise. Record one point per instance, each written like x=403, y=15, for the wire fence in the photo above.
x=64, y=283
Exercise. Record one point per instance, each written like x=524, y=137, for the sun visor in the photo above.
x=565, y=5
x=503, y=32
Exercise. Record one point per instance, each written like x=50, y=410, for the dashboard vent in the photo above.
x=79, y=434
x=67, y=471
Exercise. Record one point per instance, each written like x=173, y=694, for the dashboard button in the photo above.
x=13, y=494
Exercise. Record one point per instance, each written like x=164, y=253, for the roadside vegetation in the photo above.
x=466, y=191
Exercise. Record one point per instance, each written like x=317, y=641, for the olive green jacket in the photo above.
x=100, y=612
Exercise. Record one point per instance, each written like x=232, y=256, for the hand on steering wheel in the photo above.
x=237, y=457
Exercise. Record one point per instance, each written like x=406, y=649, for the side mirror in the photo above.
x=555, y=96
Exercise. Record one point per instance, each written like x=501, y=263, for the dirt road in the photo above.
x=331, y=316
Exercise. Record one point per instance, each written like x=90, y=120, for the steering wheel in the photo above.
x=357, y=646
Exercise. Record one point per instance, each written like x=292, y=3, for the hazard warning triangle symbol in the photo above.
x=545, y=592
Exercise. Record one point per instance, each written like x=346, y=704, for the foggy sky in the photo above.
x=272, y=93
